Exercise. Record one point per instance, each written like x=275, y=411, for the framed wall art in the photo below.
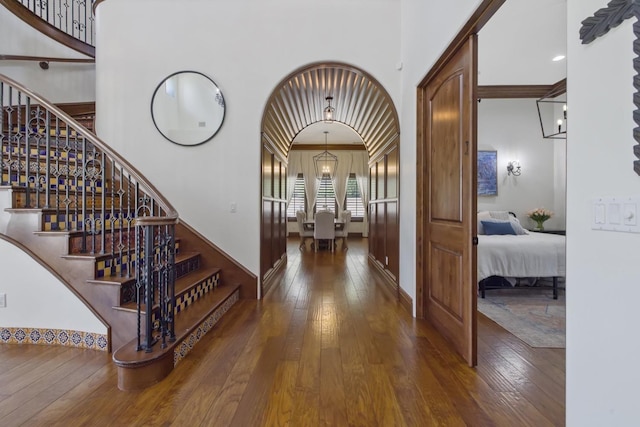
x=487, y=173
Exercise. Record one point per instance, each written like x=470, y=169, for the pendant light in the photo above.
x=325, y=163
x=329, y=111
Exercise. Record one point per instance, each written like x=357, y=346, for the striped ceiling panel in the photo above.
x=360, y=102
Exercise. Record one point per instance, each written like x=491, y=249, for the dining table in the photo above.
x=310, y=224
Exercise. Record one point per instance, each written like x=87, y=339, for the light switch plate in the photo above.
x=615, y=214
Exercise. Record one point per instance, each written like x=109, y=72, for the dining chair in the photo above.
x=300, y=217
x=324, y=228
x=344, y=232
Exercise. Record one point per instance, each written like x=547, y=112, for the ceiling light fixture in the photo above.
x=552, y=111
x=558, y=58
x=325, y=163
x=329, y=110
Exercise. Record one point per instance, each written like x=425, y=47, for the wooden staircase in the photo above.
x=83, y=226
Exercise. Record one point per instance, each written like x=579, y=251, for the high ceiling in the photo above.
x=515, y=48
x=518, y=43
x=360, y=103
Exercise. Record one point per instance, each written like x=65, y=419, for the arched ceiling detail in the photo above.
x=360, y=102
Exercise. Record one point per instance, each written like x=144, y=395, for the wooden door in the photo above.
x=447, y=202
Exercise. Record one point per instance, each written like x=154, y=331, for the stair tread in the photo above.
x=186, y=322
x=183, y=284
x=181, y=256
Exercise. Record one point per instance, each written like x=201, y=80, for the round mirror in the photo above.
x=187, y=108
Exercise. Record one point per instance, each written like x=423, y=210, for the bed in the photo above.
x=523, y=254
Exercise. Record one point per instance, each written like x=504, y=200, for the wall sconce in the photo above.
x=513, y=168
x=328, y=110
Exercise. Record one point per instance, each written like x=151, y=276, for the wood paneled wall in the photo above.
x=274, y=212
x=383, y=211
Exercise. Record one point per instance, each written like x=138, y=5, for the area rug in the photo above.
x=530, y=314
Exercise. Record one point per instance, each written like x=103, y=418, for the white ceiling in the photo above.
x=514, y=48
x=338, y=134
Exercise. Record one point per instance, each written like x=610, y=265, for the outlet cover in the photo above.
x=3, y=300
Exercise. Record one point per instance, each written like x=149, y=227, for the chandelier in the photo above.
x=325, y=163
x=552, y=111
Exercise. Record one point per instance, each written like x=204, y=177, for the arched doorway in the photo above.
x=360, y=103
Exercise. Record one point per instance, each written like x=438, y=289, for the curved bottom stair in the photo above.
x=139, y=369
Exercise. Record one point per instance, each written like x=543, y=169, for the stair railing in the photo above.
x=86, y=189
x=74, y=19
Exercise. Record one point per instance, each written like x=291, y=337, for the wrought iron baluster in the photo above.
x=132, y=262
x=10, y=136
x=139, y=238
x=171, y=280
x=83, y=204
x=70, y=177
x=3, y=144
x=148, y=251
x=103, y=195
x=20, y=166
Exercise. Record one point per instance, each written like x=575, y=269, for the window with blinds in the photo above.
x=353, y=200
x=297, y=202
x=326, y=195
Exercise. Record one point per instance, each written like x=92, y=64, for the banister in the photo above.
x=22, y=12
x=92, y=138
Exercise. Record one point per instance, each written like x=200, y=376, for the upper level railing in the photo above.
x=71, y=22
x=83, y=187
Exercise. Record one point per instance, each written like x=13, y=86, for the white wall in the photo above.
x=427, y=29
x=247, y=48
x=602, y=267
x=512, y=128
x=62, y=82
x=37, y=299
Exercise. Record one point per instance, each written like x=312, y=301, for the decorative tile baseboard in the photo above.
x=187, y=344
x=62, y=337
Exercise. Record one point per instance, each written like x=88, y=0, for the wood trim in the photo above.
x=46, y=59
x=78, y=108
x=513, y=91
x=233, y=271
x=522, y=91
x=274, y=275
x=480, y=17
x=405, y=300
x=557, y=89
x=389, y=284
x=330, y=147
x=47, y=29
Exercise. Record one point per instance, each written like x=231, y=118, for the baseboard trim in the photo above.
x=391, y=285
x=406, y=301
x=270, y=277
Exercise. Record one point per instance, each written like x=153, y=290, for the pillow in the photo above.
x=517, y=227
x=497, y=228
x=504, y=216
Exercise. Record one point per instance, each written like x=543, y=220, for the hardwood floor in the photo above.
x=327, y=346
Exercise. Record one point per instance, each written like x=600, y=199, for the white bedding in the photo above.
x=529, y=255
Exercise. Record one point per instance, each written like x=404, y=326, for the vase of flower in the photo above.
x=539, y=216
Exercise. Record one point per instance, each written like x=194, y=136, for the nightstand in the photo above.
x=560, y=232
